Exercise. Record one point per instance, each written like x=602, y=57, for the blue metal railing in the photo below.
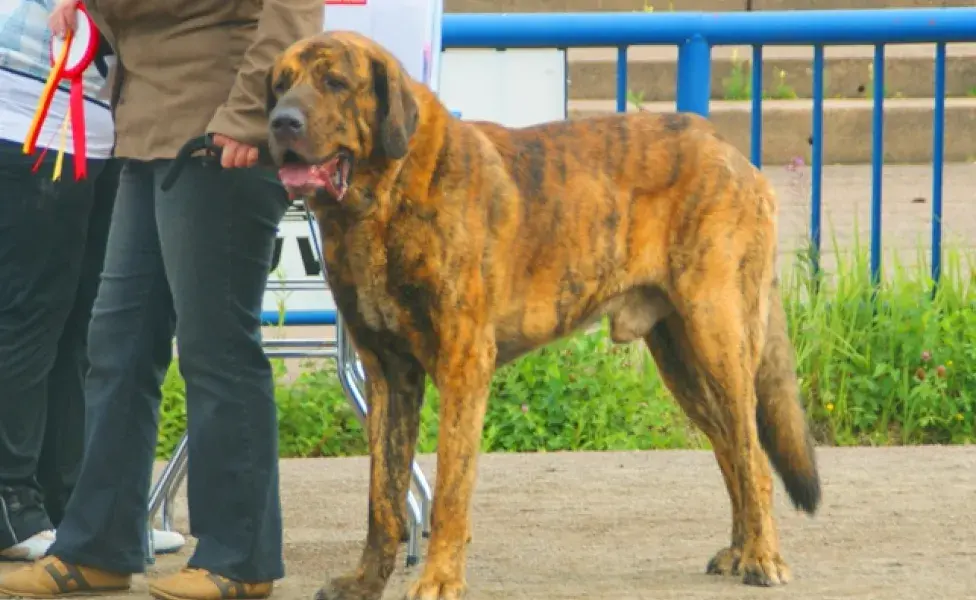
x=696, y=33
x=299, y=317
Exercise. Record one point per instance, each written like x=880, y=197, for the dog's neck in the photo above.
x=383, y=186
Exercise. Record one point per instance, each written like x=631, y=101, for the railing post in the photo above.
x=877, y=162
x=938, y=159
x=622, y=79
x=694, y=75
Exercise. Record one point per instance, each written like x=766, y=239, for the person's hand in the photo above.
x=235, y=154
x=63, y=17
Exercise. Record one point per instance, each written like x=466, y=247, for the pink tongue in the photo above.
x=295, y=176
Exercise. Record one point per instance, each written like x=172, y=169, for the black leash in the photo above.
x=197, y=144
x=203, y=143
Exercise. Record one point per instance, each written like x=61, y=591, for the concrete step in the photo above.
x=493, y=6
x=787, y=71
x=787, y=125
x=906, y=215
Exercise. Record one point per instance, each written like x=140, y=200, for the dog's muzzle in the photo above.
x=300, y=172
x=287, y=124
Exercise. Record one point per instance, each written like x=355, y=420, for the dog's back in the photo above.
x=600, y=206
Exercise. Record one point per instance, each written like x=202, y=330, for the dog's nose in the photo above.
x=288, y=122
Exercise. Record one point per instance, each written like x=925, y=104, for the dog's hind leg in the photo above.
x=724, y=315
x=395, y=393
x=676, y=365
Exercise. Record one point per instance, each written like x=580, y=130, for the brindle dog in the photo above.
x=454, y=247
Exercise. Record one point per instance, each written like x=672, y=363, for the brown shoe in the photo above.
x=200, y=584
x=50, y=577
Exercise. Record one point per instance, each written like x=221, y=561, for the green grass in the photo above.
x=888, y=366
x=738, y=85
x=893, y=365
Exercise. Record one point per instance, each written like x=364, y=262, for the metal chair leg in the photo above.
x=169, y=501
x=163, y=492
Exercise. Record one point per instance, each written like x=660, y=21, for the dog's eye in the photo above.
x=334, y=84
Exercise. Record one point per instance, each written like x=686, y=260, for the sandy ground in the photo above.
x=896, y=523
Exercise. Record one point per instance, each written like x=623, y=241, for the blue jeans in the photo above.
x=193, y=261
x=52, y=243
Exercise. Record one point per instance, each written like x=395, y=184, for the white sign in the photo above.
x=296, y=281
x=517, y=87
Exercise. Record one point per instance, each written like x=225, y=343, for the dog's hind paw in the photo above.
x=434, y=588
x=765, y=571
x=350, y=588
x=725, y=562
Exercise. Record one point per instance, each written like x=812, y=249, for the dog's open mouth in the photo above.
x=303, y=179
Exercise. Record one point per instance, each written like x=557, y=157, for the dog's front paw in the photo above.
x=725, y=562
x=765, y=571
x=352, y=587
x=436, y=588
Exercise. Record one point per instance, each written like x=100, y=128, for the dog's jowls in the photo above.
x=453, y=247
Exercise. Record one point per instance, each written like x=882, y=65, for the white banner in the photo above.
x=410, y=29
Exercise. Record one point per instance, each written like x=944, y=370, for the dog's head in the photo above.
x=337, y=102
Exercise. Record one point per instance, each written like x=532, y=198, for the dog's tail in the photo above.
x=781, y=420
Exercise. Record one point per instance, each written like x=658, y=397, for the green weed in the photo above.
x=737, y=86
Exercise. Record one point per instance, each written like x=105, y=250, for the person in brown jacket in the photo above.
x=192, y=261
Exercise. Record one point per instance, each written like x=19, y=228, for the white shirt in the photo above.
x=25, y=61
x=19, y=97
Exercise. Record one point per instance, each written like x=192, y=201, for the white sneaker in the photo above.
x=30, y=549
x=166, y=542
x=34, y=547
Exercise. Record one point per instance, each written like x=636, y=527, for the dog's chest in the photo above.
x=377, y=308
x=357, y=268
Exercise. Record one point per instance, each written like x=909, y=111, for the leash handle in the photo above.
x=202, y=143
x=191, y=147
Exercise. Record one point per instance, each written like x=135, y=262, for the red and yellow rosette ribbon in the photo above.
x=69, y=59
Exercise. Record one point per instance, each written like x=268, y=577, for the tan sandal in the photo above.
x=200, y=584
x=51, y=577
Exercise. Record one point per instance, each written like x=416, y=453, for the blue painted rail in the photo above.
x=299, y=317
x=695, y=33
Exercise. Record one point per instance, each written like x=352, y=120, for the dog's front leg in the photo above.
x=396, y=390
x=463, y=378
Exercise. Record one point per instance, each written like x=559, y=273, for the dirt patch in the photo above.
x=896, y=523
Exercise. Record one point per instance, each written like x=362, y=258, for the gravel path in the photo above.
x=896, y=523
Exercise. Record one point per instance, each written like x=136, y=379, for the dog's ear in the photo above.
x=396, y=110
x=270, y=101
